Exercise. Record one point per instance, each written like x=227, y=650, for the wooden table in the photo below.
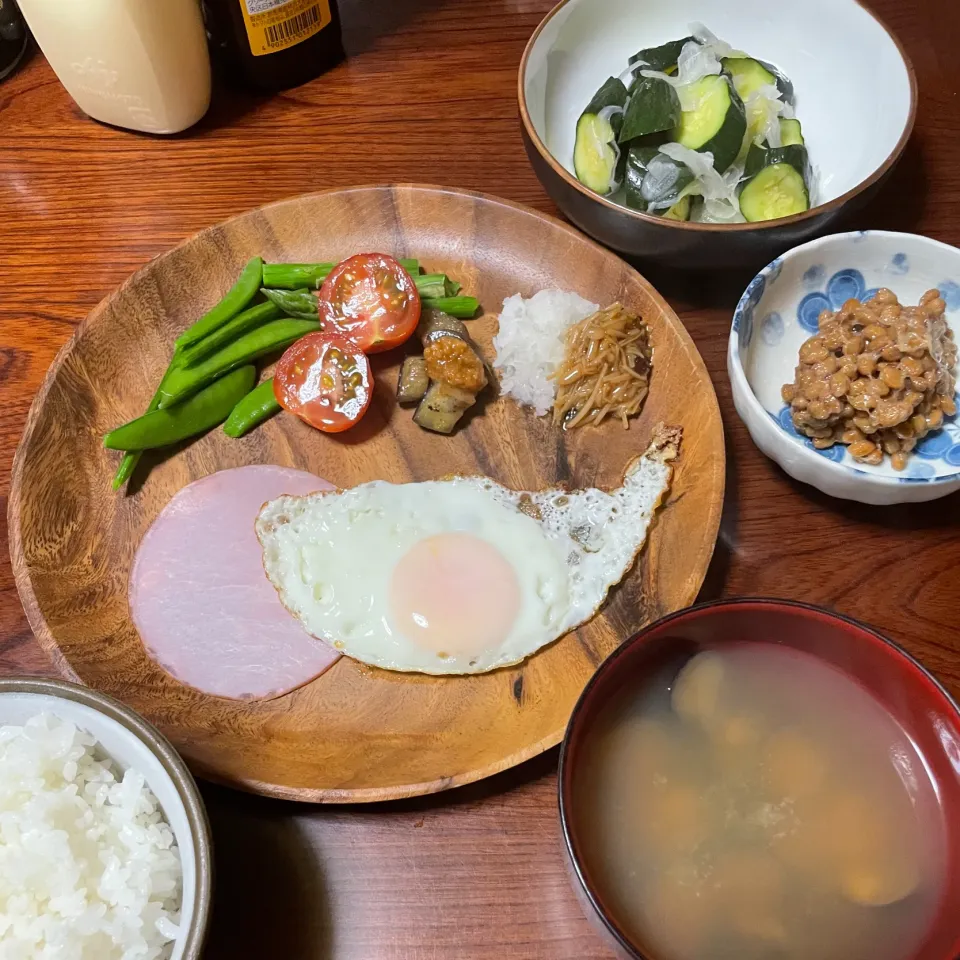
x=428, y=94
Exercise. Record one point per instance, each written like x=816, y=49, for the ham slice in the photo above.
x=202, y=604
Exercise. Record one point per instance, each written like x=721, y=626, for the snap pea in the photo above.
x=293, y=276
x=240, y=324
x=258, y=405
x=130, y=460
x=239, y=295
x=183, y=382
x=128, y=464
x=198, y=414
x=294, y=303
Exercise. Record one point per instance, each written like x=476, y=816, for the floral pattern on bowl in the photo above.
x=842, y=286
x=780, y=309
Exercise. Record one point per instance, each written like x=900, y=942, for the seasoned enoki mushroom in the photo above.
x=878, y=376
x=605, y=370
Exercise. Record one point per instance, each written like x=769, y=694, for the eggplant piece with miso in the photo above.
x=446, y=380
x=414, y=381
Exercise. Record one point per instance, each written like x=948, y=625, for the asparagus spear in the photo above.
x=293, y=276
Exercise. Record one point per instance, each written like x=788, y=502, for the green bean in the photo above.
x=293, y=276
x=432, y=287
x=294, y=303
x=231, y=330
x=183, y=382
x=239, y=295
x=258, y=405
x=196, y=415
x=130, y=460
x=431, y=284
x=462, y=307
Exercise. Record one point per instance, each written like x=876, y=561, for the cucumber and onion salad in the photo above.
x=695, y=130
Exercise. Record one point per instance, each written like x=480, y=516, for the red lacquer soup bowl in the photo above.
x=916, y=700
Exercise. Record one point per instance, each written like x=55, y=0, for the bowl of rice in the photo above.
x=104, y=842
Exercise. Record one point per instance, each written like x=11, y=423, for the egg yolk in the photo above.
x=454, y=594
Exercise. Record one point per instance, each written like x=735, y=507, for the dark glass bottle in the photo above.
x=13, y=37
x=274, y=44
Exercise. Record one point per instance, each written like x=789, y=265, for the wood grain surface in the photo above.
x=355, y=733
x=428, y=94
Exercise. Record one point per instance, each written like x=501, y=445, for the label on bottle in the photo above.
x=274, y=25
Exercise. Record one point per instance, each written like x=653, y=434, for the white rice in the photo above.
x=89, y=869
x=529, y=343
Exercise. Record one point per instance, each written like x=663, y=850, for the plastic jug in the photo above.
x=141, y=64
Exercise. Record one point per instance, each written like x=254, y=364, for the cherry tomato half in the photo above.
x=371, y=300
x=325, y=380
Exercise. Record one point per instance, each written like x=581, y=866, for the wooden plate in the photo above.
x=356, y=733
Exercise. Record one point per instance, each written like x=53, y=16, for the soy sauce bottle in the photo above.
x=270, y=45
x=13, y=37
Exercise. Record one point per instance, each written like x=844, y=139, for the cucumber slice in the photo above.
x=612, y=93
x=595, y=154
x=763, y=156
x=749, y=75
x=776, y=191
x=718, y=124
x=664, y=57
x=784, y=84
x=664, y=181
x=681, y=209
x=638, y=157
x=654, y=106
x=791, y=134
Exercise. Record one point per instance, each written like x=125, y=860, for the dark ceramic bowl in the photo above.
x=856, y=98
x=909, y=692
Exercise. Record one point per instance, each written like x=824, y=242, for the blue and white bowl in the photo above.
x=779, y=311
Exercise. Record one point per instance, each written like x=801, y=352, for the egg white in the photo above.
x=331, y=555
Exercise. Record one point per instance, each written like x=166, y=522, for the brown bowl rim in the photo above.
x=563, y=801
x=173, y=766
x=640, y=217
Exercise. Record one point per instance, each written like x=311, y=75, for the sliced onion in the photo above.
x=614, y=182
x=692, y=189
x=608, y=112
x=695, y=63
x=814, y=184
x=627, y=76
x=764, y=108
x=708, y=38
x=719, y=193
x=720, y=211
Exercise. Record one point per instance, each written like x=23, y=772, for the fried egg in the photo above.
x=460, y=575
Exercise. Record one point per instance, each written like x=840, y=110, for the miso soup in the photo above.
x=760, y=805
